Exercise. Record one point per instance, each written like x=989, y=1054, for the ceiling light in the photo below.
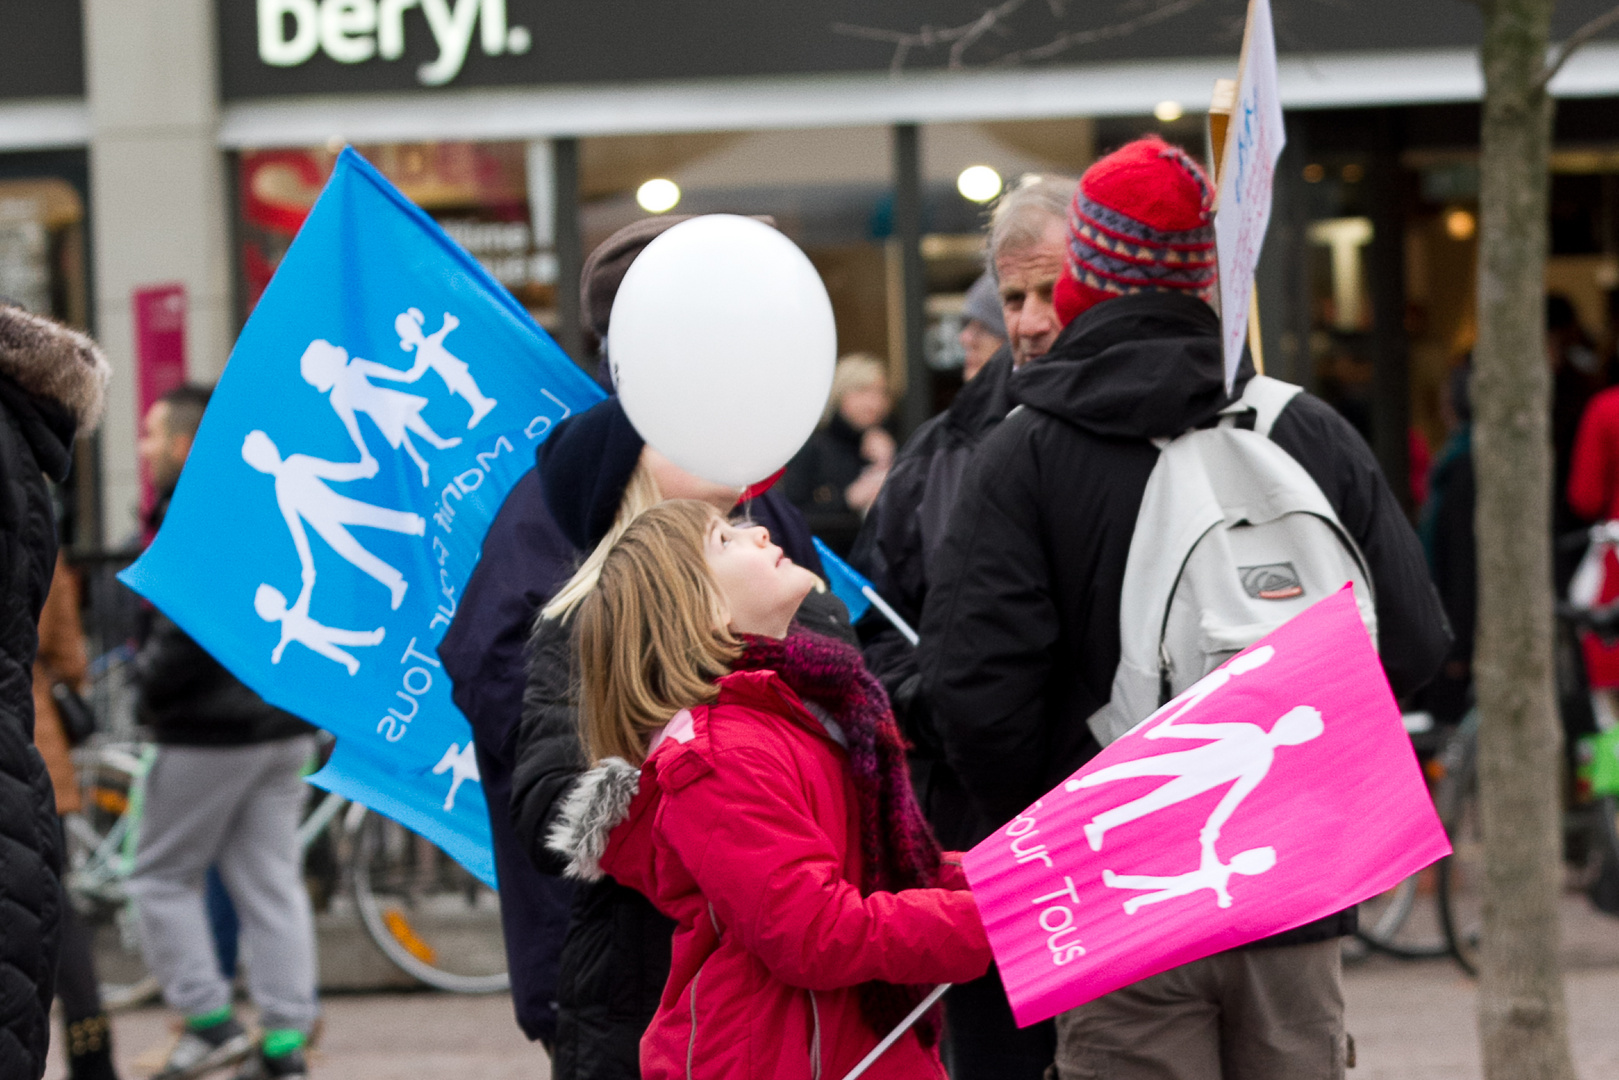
x=658, y=196
x=1168, y=111
x=979, y=183
x=1460, y=224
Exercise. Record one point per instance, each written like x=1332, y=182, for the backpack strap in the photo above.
x=1265, y=398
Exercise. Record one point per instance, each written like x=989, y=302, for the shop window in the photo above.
x=482, y=193
x=42, y=248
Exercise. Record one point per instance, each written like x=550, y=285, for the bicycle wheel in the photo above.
x=434, y=920
x=1397, y=922
x=1461, y=874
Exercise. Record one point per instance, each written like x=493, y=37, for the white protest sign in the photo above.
x=1253, y=142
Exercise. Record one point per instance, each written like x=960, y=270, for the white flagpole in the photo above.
x=904, y=1026
x=890, y=614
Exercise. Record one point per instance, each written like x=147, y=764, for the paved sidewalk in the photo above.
x=1411, y=1021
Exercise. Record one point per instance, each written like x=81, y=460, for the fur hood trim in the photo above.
x=49, y=360
x=598, y=802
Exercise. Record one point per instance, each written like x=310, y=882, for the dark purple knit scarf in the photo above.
x=898, y=848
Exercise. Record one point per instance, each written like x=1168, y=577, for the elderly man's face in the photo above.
x=1026, y=276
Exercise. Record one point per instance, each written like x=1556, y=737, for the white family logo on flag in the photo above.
x=462, y=765
x=302, y=483
x=1239, y=754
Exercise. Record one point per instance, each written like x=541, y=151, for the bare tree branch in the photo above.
x=1063, y=42
x=996, y=20
x=959, y=38
x=1575, y=41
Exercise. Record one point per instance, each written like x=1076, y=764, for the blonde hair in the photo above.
x=649, y=637
x=640, y=495
x=854, y=372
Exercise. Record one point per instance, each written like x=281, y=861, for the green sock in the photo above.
x=279, y=1042
x=209, y=1019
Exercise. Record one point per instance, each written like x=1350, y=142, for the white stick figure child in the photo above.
x=1238, y=754
x=431, y=353
x=327, y=368
x=461, y=762
x=302, y=495
x=296, y=625
x=1210, y=874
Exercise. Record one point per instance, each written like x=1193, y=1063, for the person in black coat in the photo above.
x=1021, y=630
x=615, y=960
x=837, y=475
x=897, y=549
x=526, y=556
x=52, y=384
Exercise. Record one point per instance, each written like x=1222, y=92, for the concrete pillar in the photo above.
x=917, y=404
x=570, y=250
x=158, y=203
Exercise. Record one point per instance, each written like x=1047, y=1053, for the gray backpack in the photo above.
x=1232, y=540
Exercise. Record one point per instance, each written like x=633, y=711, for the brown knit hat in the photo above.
x=604, y=270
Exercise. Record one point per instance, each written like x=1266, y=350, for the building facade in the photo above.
x=156, y=157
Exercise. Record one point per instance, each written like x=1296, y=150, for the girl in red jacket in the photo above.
x=750, y=780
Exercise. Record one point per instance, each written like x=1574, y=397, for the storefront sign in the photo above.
x=272, y=48
x=354, y=31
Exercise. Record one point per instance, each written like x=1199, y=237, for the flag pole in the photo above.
x=893, y=1036
x=890, y=614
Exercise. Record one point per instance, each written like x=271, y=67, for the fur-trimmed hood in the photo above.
x=598, y=803
x=50, y=361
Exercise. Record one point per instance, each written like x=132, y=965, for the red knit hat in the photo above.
x=1142, y=220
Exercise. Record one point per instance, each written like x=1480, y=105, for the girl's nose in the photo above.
x=761, y=535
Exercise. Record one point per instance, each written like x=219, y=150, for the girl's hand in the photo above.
x=951, y=874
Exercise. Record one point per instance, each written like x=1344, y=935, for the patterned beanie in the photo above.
x=1142, y=220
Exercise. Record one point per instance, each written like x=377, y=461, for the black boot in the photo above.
x=89, y=1049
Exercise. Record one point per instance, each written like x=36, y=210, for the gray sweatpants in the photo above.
x=236, y=807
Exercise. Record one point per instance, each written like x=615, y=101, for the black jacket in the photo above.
x=51, y=383
x=187, y=698
x=525, y=556
x=817, y=477
x=615, y=960
x=897, y=546
x=1020, y=633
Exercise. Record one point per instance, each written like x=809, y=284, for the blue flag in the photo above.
x=381, y=401
x=857, y=592
x=846, y=582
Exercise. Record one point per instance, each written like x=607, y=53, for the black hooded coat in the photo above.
x=51, y=384
x=898, y=545
x=526, y=557
x=1020, y=633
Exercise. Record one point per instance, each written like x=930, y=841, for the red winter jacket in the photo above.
x=744, y=829
x=1593, y=475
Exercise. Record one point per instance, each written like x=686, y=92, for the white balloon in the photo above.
x=722, y=345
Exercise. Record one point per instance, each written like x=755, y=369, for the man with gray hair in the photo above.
x=902, y=533
x=1027, y=242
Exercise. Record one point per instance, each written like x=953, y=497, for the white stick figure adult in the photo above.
x=327, y=368
x=461, y=762
x=1238, y=754
x=1210, y=874
x=431, y=353
x=302, y=495
x=296, y=625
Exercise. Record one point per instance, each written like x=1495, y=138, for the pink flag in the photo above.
x=1279, y=789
